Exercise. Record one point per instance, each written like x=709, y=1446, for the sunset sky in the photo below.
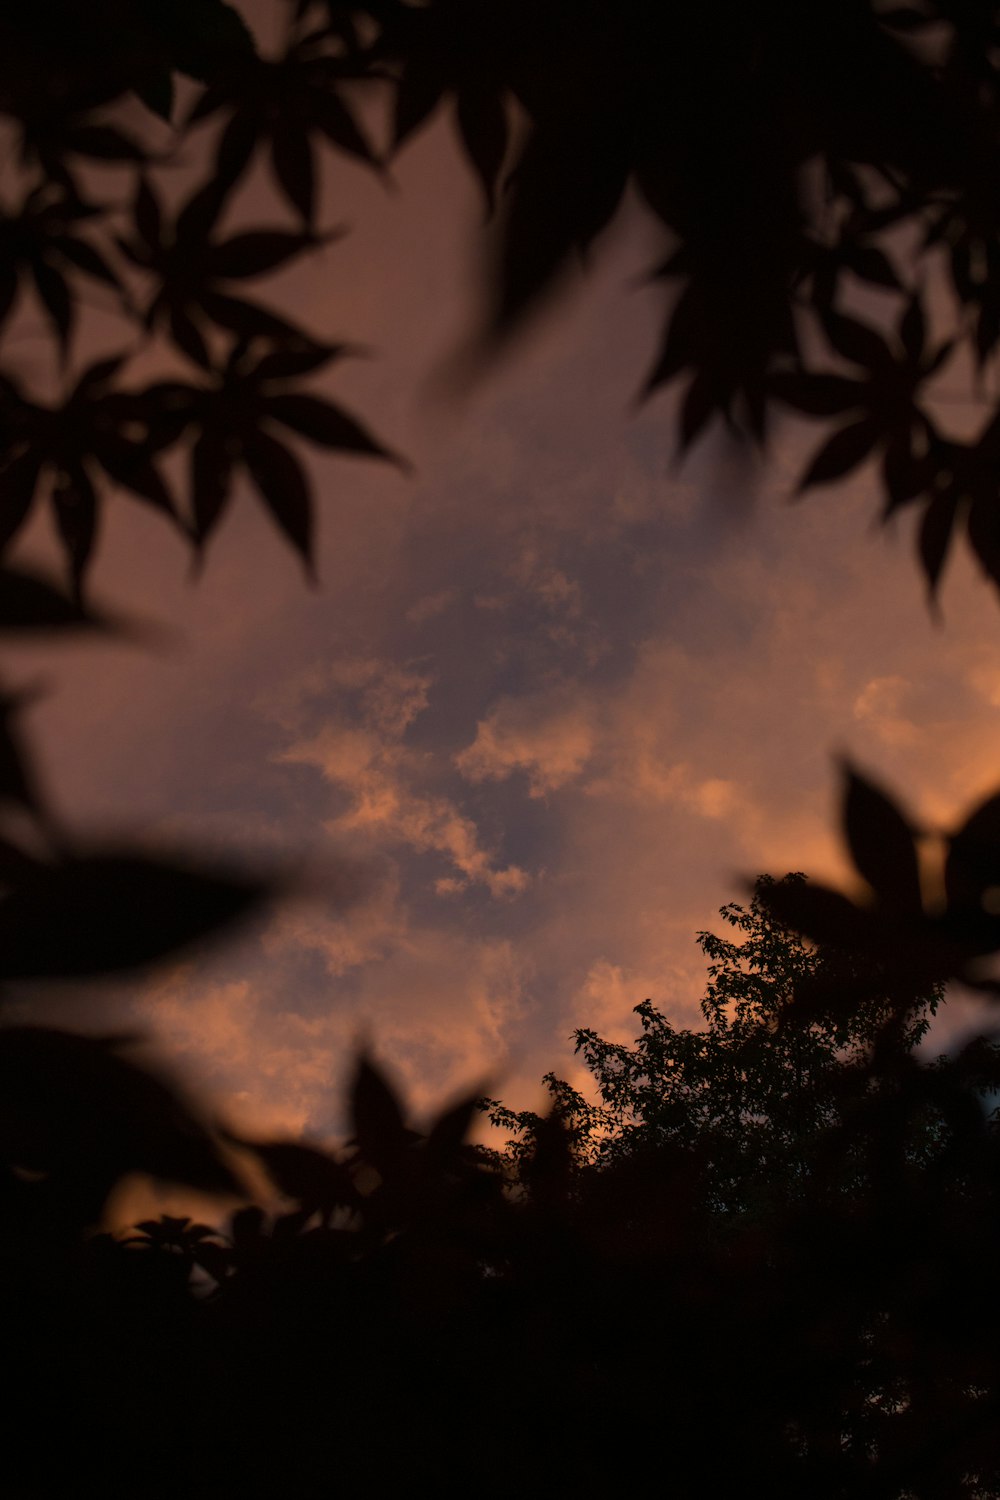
x=555, y=701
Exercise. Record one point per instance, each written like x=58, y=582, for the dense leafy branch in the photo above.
x=752, y=1092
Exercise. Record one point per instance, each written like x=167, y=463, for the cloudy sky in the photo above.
x=553, y=703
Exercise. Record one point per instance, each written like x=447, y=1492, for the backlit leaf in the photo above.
x=818, y=395
x=936, y=530
x=324, y=423
x=984, y=532
x=844, y=451
x=75, y=503
x=55, y=297
x=292, y=161
x=377, y=1118
x=822, y=915
x=256, y=252
x=280, y=479
x=110, y=911
x=31, y=603
x=972, y=867
x=858, y=342
x=881, y=842
x=211, y=472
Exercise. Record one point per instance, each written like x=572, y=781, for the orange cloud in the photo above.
x=550, y=741
x=366, y=758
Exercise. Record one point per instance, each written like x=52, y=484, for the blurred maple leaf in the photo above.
x=286, y=103
x=189, y=266
x=234, y=417
x=913, y=947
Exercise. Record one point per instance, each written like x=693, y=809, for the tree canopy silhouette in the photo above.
x=750, y=1094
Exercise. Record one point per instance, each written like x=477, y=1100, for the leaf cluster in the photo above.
x=815, y=179
x=172, y=279
x=823, y=181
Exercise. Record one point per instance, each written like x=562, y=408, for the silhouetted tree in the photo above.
x=754, y=1092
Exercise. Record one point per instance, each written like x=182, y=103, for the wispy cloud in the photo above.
x=361, y=750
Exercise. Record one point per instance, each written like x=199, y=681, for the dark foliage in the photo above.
x=750, y=1093
x=795, y=1274
x=788, y=1254
x=825, y=181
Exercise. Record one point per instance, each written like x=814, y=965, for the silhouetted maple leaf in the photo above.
x=883, y=403
x=564, y=189
x=108, y=911
x=95, y=426
x=381, y=1134
x=963, y=484
x=311, y=1177
x=189, y=267
x=42, y=242
x=286, y=102
x=30, y=603
x=449, y=1132
x=76, y=1108
x=462, y=51
x=233, y=421
x=969, y=229
x=824, y=264
x=915, y=948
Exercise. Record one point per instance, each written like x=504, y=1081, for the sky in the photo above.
x=555, y=700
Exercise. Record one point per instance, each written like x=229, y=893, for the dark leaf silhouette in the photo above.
x=77, y=1108
x=380, y=1131
x=312, y=1178
x=30, y=603
x=886, y=398
x=823, y=916
x=188, y=265
x=856, y=342
x=881, y=842
x=231, y=418
x=818, y=395
x=111, y=911
x=104, y=143
x=256, y=252
x=279, y=477
x=42, y=241
x=75, y=503
x=294, y=168
x=972, y=868
x=915, y=948
x=450, y=1130
x=458, y=53
x=984, y=533
x=298, y=357
x=937, y=528
x=842, y=453
x=323, y=423
x=54, y=294
x=211, y=468
x=286, y=103
x=566, y=188
x=94, y=426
